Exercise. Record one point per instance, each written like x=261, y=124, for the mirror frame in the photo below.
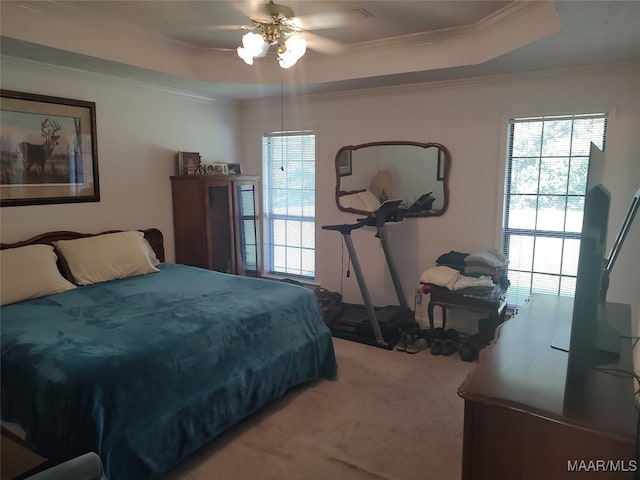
x=445, y=181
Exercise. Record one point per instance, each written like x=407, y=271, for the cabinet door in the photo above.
x=189, y=227
x=220, y=228
x=248, y=245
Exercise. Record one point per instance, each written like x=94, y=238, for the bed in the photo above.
x=145, y=369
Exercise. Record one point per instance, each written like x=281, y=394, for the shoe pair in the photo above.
x=411, y=343
x=445, y=342
x=471, y=348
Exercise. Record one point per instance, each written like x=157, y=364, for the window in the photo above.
x=289, y=166
x=548, y=160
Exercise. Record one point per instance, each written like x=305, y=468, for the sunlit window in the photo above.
x=289, y=166
x=548, y=161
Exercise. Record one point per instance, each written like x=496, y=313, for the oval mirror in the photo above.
x=370, y=173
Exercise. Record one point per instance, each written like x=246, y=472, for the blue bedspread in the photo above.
x=145, y=370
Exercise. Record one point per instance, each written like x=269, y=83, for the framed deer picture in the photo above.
x=48, y=150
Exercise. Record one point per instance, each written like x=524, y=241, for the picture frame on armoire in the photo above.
x=48, y=147
x=235, y=169
x=220, y=169
x=188, y=163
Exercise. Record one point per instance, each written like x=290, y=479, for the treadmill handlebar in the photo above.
x=346, y=228
x=378, y=219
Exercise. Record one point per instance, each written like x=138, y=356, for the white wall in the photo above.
x=139, y=130
x=470, y=118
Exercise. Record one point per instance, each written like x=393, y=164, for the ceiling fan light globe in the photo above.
x=253, y=43
x=286, y=62
x=287, y=59
x=296, y=45
x=245, y=55
x=263, y=52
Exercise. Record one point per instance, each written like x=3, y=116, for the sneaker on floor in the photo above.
x=451, y=342
x=417, y=345
x=401, y=346
x=470, y=348
x=427, y=335
x=437, y=340
x=467, y=353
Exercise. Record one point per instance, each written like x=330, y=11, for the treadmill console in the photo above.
x=388, y=205
x=425, y=202
x=388, y=211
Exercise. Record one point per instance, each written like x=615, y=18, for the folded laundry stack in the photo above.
x=452, y=279
x=481, y=273
x=489, y=263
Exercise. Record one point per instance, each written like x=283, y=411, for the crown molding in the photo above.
x=113, y=79
x=503, y=16
x=631, y=67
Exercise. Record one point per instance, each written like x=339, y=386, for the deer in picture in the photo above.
x=35, y=156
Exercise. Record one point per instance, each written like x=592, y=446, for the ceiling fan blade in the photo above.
x=249, y=7
x=263, y=11
x=322, y=44
x=319, y=21
x=229, y=27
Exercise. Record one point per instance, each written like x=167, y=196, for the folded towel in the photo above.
x=475, y=282
x=441, y=276
x=491, y=258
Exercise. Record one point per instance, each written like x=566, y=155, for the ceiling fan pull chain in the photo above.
x=282, y=138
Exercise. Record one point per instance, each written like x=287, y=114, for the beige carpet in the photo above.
x=388, y=415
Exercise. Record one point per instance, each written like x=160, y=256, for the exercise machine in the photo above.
x=379, y=326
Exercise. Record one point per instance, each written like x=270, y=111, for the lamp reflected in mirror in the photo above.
x=383, y=181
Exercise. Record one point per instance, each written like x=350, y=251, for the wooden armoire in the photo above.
x=215, y=222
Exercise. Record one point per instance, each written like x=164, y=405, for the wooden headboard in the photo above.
x=153, y=236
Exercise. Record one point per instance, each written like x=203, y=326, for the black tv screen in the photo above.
x=586, y=305
x=593, y=339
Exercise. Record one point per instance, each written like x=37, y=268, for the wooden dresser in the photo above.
x=216, y=222
x=16, y=461
x=521, y=423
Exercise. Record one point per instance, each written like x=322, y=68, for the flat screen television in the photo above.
x=587, y=322
x=593, y=340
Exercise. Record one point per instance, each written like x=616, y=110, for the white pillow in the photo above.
x=152, y=254
x=369, y=201
x=365, y=201
x=352, y=201
x=106, y=257
x=30, y=272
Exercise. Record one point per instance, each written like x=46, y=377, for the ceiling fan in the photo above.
x=276, y=25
